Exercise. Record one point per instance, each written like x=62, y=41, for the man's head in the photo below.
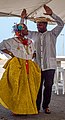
x=20, y=29
x=42, y=26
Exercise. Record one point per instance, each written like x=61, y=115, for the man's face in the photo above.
x=42, y=27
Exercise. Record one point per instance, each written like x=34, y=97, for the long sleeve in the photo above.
x=60, y=24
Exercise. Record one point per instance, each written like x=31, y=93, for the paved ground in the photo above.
x=57, y=111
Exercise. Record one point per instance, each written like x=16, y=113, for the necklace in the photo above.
x=26, y=43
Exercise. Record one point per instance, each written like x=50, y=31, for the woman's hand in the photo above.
x=8, y=52
x=24, y=14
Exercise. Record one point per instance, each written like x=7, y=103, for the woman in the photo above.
x=20, y=82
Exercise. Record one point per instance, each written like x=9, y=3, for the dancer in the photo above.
x=20, y=82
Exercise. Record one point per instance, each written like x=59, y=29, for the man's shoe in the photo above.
x=47, y=111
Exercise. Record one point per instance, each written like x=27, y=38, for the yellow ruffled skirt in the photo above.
x=18, y=90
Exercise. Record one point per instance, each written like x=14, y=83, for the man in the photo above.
x=45, y=43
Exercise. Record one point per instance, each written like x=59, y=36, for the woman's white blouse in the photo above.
x=17, y=48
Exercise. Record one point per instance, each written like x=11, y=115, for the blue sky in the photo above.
x=6, y=31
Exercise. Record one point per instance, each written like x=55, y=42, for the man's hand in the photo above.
x=48, y=10
x=24, y=14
